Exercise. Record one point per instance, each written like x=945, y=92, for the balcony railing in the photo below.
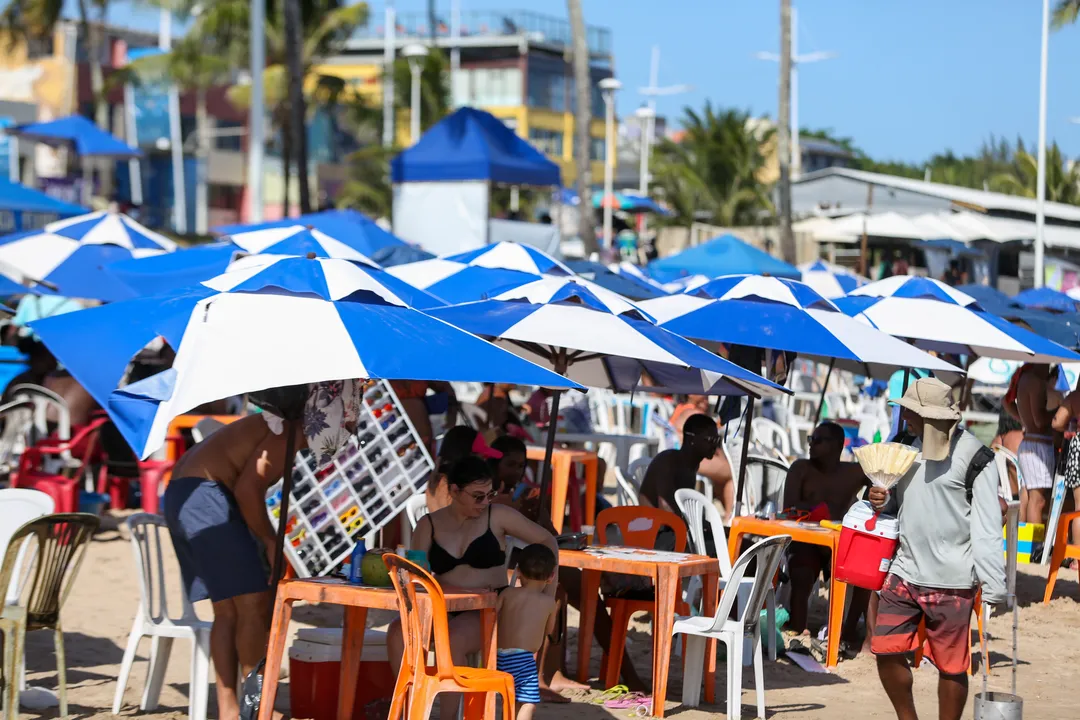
x=492, y=23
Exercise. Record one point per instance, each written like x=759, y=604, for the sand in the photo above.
x=98, y=616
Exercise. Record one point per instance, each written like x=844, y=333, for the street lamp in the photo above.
x=415, y=54
x=1040, y=171
x=608, y=88
x=796, y=61
x=648, y=117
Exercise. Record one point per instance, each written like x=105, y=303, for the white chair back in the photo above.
x=19, y=506
x=765, y=480
x=44, y=399
x=148, y=536
x=638, y=468
x=416, y=508
x=771, y=435
x=767, y=553
x=627, y=492
x=475, y=416
x=1003, y=458
x=18, y=433
x=697, y=510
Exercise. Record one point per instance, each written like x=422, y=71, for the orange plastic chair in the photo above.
x=923, y=648
x=631, y=520
x=418, y=683
x=1062, y=550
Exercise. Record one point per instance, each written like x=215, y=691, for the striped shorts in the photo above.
x=521, y=665
x=1036, y=458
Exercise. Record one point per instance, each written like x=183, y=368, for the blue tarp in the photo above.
x=361, y=232
x=724, y=255
x=472, y=144
x=87, y=138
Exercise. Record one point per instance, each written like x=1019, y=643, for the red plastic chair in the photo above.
x=63, y=485
x=635, y=531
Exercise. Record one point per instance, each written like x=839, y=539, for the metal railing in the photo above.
x=492, y=23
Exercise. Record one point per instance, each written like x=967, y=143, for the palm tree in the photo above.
x=712, y=173
x=582, y=122
x=1065, y=13
x=434, y=90
x=1062, y=177
x=294, y=32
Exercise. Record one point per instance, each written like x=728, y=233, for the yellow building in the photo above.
x=513, y=64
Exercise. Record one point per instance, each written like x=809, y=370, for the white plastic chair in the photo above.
x=1003, y=458
x=638, y=468
x=416, y=508
x=19, y=506
x=475, y=416
x=767, y=553
x=153, y=620
x=626, y=491
x=771, y=435
x=696, y=509
x=765, y=480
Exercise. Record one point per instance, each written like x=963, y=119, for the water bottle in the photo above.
x=768, y=512
x=354, y=563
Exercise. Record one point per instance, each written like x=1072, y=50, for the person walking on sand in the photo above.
x=950, y=543
x=526, y=617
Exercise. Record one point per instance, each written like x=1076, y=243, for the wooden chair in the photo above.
x=1062, y=550
x=417, y=682
x=637, y=527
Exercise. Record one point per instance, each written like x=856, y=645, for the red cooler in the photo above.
x=314, y=674
x=867, y=545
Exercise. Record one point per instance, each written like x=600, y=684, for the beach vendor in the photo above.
x=215, y=509
x=826, y=488
x=950, y=544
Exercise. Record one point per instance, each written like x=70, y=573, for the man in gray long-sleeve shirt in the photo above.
x=948, y=547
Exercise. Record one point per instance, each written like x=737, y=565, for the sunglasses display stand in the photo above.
x=364, y=487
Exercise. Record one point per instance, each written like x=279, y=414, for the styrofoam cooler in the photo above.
x=315, y=667
x=867, y=545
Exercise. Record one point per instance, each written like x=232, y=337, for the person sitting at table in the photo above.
x=822, y=481
x=459, y=442
x=677, y=469
x=716, y=469
x=509, y=469
x=465, y=544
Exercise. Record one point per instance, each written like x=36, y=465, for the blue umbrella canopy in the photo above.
x=360, y=232
x=77, y=131
x=723, y=255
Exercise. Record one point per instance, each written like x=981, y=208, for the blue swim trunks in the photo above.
x=521, y=665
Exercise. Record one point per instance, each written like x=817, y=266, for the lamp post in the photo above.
x=415, y=54
x=608, y=88
x=257, y=114
x=1040, y=172
x=647, y=114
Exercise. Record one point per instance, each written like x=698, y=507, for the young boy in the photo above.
x=526, y=616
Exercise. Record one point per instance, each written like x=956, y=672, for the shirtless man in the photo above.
x=822, y=479
x=1036, y=452
x=717, y=468
x=215, y=507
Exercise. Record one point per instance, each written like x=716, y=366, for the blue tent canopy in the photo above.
x=472, y=144
x=87, y=138
x=17, y=199
x=364, y=233
x=724, y=255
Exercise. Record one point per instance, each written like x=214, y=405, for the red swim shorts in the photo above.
x=947, y=612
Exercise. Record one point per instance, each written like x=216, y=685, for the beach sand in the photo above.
x=98, y=616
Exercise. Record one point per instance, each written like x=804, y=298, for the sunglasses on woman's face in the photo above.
x=484, y=497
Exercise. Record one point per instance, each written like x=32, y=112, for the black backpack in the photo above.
x=983, y=457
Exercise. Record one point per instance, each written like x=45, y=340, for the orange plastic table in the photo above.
x=561, y=460
x=665, y=569
x=357, y=599
x=186, y=422
x=812, y=535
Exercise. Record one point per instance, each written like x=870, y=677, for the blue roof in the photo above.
x=472, y=144
x=76, y=130
x=724, y=255
x=17, y=198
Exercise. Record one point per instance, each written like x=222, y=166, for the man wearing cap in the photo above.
x=949, y=546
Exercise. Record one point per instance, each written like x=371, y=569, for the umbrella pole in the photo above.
x=824, y=388
x=743, y=455
x=901, y=426
x=283, y=518
x=559, y=365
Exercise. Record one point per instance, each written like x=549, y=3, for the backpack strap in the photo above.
x=983, y=457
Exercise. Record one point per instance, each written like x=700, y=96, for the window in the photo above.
x=597, y=147
x=598, y=109
x=550, y=142
x=548, y=87
x=487, y=87
x=233, y=140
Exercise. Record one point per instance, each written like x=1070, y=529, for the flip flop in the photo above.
x=610, y=694
x=629, y=701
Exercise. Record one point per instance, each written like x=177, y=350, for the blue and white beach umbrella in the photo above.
x=70, y=254
x=935, y=316
x=780, y=314
x=830, y=281
x=473, y=275
x=596, y=337
x=630, y=270
x=285, y=322
x=151, y=276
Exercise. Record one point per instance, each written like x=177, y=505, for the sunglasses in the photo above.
x=482, y=497
x=713, y=440
x=817, y=440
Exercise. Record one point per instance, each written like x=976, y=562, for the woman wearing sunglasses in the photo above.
x=466, y=545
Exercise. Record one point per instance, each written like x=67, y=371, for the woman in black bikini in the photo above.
x=466, y=547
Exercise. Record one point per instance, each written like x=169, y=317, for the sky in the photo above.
x=910, y=78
